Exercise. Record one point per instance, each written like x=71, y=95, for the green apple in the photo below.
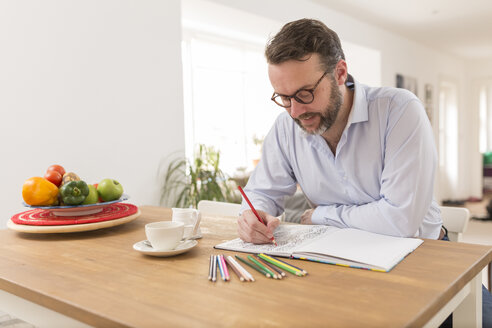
x=93, y=196
x=109, y=189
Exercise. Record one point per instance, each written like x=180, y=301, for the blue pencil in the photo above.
x=221, y=269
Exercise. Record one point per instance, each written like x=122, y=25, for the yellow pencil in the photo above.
x=304, y=272
x=281, y=265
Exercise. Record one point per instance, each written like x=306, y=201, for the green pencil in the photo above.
x=304, y=272
x=255, y=261
x=280, y=273
x=253, y=266
x=280, y=265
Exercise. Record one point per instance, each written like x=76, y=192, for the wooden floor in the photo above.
x=479, y=231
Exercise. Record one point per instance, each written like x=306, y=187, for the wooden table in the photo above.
x=98, y=279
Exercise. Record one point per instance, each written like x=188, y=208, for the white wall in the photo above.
x=480, y=68
x=93, y=85
x=97, y=86
x=399, y=55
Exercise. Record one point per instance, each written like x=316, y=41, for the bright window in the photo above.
x=229, y=102
x=485, y=110
x=482, y=103
x=448, y=139
x=226, y=86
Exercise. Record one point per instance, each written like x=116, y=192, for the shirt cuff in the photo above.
x=317, y=216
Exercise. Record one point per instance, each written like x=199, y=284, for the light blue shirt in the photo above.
x=380, y=180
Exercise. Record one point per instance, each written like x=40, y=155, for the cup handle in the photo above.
x=197, y=223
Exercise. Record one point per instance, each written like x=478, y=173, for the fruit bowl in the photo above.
x=78, y=210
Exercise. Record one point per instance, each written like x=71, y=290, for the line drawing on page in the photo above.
x=288, y=237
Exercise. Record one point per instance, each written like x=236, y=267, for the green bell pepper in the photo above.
x=74, y=192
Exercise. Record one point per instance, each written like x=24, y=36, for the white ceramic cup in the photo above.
x=164, y=235
x=191, y=219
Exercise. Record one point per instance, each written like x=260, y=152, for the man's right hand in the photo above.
x=250, y=229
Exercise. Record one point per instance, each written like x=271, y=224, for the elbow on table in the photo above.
x=406, y=226
x=404, y=218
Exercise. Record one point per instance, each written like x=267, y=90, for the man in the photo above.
x=364, y=157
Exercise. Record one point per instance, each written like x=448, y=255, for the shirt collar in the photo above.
x=359, y=111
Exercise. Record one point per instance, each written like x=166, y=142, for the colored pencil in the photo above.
x=302, y=270
x=233, y=267
x=260, y=270
x=248, y=275
x=214, y=269
x=281, y=265
x=224, y=266
x=221, y=267
x=254, y=211
x=210, y=266
x=264, y=268
x=280, y=273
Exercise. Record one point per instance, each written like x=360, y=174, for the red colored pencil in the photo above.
x=254, y=211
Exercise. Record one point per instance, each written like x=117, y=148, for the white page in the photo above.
x=363, y=247
x=287, y=236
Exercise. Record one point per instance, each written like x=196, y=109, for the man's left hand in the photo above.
x=306, y=216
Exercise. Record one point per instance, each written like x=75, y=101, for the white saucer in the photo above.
x=148, y=250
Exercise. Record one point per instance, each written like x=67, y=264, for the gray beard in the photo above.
x=329, y=115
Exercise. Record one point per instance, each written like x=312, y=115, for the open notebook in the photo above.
x=347, y=247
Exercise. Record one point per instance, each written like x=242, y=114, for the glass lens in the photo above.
x=304, y=96
x=283, y=101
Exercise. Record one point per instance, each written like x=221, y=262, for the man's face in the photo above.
x=290, y=76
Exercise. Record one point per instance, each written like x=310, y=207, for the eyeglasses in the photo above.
x=302, y=96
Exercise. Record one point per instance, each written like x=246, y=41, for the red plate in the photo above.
x=39, y=217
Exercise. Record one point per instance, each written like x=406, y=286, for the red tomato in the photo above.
x=99, y=198
x=54, y=177
x=57, y=168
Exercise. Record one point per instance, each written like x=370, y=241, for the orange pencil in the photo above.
x=254, y=211
x=236, y=270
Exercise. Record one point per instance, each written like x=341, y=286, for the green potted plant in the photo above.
x=186, y=182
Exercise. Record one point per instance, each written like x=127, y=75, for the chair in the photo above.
x=455, y=219
x=208, y=207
